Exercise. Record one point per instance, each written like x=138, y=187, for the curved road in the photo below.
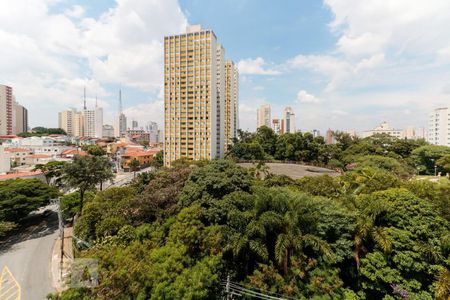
x=27, y=254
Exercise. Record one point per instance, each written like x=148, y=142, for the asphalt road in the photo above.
x=27, y=253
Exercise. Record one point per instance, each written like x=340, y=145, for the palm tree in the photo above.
x=442, y=291
x=292, y=241
x=368, y=233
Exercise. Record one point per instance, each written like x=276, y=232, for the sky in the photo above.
x=340, y=64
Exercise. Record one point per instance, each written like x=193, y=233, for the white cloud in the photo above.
x=257, y=66
x=48, y=57
x=146, y=112
x=305, y=97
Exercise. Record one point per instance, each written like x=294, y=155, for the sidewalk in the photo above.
x=60, y=277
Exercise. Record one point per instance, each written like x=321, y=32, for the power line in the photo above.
x=233, y=288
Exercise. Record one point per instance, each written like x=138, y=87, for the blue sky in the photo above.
x=341, y=64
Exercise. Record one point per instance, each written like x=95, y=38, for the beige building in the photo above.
x=231, y=102
x=20, y=118
x=195, y=106
x=6, y=110
x=264, y=116
x=72, y=121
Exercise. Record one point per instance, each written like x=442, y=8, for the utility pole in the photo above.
x=227, y=288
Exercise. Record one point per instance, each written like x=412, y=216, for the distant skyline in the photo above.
x=343, y=64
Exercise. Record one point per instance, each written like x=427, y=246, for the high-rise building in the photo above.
x=72, y=121
x=231, y=102
x=93, y=120
x=120, y=125
x=439, y=127
x=152, y=129
x=6, y=110
x=134, y=125
x=194, y=96
x=289, y=120
x=20, y=118
x=108, y=131
x=221, y=94
x=264, y=116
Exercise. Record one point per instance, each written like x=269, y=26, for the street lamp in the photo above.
x=435, y=170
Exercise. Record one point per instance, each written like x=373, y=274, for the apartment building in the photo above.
x=264, y=116
x=20, y=118
x=439, y=127
x=231, y=102
x=193, y=96
x=289, y=125
x=6, y=110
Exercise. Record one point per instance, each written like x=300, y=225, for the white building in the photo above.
x=409, y=133
x=264, y=116
x=384, y=128
x=289, y=120
x=5, y=160
x=439, y=127
x=108, y=131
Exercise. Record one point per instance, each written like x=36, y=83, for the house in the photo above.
x=144, y=157
x=36, y=159
x=18, y=155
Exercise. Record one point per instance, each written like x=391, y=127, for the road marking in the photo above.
x=9, y=287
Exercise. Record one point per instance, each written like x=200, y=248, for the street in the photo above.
x=28, y=252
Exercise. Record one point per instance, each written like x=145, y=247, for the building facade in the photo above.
x=21, y=118
x=264, y=116
x=120, y=125
x=72, y=121
x=276, y=126
x=289, y=125
x=6, y=110
x=190, y=95
x=231, y=103
x=108, y=131
x=439, y=127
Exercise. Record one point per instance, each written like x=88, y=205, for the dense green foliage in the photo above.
x=42, y=131
x=52, y=172
x=20, y=197
x=178, y=233
x=402, y=157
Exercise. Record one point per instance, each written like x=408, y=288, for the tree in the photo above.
x=267, y=138
x=425, y=158
x=134, y=166
x=52, y=171
x=94, y=150
x=21, y=196
x=444, y=163
x=85, y=172
x=158, y=160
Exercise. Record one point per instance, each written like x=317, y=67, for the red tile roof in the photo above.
x=17, y=150
x=20, y=174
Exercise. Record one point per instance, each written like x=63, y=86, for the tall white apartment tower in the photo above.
x=231, y=102
x=190, y=95
x=289, y=120
x=264, y=116
x=439, y=127
x=93, y=120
